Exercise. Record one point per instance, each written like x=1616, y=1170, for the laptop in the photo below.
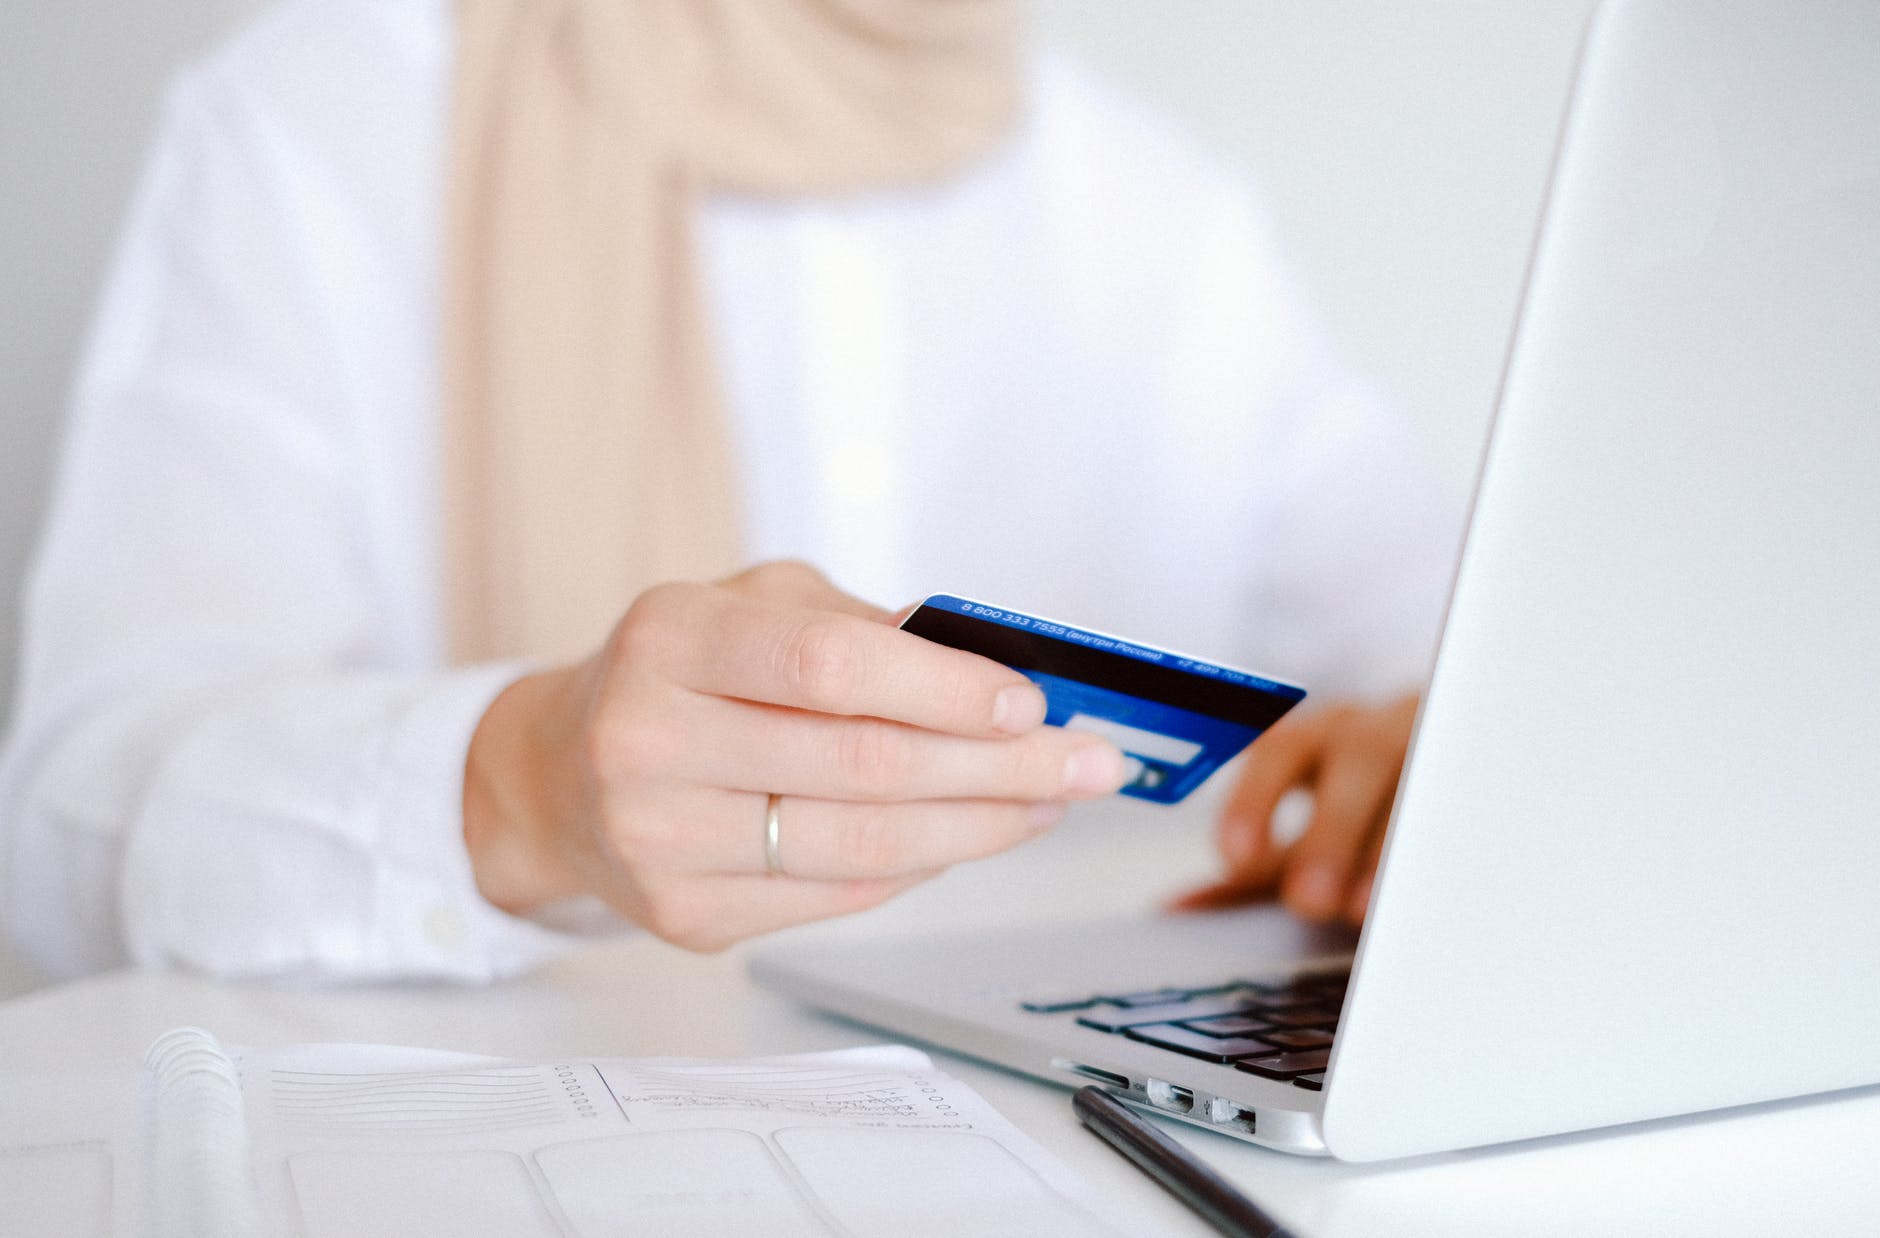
x=1633, y=868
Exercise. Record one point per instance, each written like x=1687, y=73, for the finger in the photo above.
x=722, y=643
x=740, y=746
x=1234, y=892
x=715, y=912
x=1364, y=877
x=1282, y=759
x=1350, y=801
x=829, y=840
x=795, y=583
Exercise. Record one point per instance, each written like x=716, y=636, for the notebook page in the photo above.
x=156, y=1152
x=359, y=1142
x=68, y=1152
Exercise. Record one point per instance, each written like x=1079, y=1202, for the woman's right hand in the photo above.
x=643, y=774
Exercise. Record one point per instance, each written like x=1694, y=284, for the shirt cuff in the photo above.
x=433, y=921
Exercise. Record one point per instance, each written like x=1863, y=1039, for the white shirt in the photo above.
x=1070, y=381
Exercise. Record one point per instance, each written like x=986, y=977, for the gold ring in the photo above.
x=773, y=827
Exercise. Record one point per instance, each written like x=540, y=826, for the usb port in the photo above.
x=1168, y=1096
x=1227, y=1113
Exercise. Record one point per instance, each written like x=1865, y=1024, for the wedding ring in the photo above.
x=773, y=826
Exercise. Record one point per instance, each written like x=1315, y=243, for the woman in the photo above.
x=341, y=659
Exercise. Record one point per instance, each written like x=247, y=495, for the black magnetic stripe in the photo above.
x=1032, y=651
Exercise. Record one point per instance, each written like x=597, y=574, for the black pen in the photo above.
x=1212, y=1197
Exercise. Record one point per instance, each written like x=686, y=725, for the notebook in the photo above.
x=359, y=1141
x=1629, y=872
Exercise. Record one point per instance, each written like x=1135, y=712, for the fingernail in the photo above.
x=1046, y=814
x=1094, y=769
x=1314, y=890
x=1018, y=709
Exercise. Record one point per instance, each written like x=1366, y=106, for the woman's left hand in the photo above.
x=1348, y=758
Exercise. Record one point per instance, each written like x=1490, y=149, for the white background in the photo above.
x=1402, y=148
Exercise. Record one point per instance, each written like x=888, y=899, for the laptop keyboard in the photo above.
x=1278, y=1031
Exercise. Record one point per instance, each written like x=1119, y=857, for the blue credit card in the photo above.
x=1177, y=718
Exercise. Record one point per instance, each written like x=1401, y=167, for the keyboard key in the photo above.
x=1288, y=1065
x=1300, y=1016
x=1296, y=999
x=1154, y=997
x=1050, y=1005
x=1327, y=987
x=1199, y=1044
x=1297, y=1037
x=1252, y=986
x=1120, y=1019
x=1313, y=1082
x=1231, y=1025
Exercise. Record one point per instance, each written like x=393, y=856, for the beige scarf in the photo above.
x=586, y=457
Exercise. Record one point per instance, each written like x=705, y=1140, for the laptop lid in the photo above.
x=1632, y=867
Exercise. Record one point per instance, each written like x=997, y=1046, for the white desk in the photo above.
x=1805, y=1168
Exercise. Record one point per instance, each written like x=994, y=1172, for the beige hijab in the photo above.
x=585, y=452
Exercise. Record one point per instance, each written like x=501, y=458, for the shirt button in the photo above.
x=444, y=927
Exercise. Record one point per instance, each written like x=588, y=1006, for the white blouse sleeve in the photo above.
x=223, y=755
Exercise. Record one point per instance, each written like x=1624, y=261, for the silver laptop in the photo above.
x=1634, y=865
